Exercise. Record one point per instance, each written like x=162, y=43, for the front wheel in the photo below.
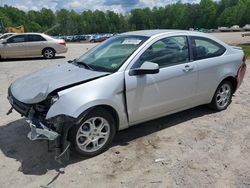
x=222, y=97
x=94, y=133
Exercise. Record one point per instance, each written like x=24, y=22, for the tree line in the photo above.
x=206, y=14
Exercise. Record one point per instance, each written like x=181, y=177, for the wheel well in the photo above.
x=109, y=109
x=105, y=107
x=48, y=48
x=233, y=81
x=113, y=112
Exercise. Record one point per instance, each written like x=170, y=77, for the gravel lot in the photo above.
x=232, y=37
x=194, y=148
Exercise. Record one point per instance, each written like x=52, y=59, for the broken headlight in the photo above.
x=53, y=99
x=43, y=107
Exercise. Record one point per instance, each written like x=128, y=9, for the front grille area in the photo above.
x=20, y=107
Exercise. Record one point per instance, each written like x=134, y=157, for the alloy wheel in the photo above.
x=223, y=95
x=93, y=134
x=49, y=53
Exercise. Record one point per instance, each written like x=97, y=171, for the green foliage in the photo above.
x=246, y=49
x=207, y=14
x=237, y=14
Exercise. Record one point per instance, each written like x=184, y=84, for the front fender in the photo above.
x=102, y=91
x=63, y=107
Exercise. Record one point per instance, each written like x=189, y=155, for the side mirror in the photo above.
x=146, y=68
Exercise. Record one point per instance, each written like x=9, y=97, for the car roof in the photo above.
x=8, y=34
x=30, y=33
x=150, y=33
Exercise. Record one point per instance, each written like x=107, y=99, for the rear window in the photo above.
x=204, y=48
x=35, y=38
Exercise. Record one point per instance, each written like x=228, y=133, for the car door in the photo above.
x=174, y=87
x=15, y=46
x=35, y=44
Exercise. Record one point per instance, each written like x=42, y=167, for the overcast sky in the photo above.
x=120, y=6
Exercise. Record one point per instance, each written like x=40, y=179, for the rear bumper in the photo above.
x=61, y=50
x=241, y=73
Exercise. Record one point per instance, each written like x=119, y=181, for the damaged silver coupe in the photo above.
x=130, y=78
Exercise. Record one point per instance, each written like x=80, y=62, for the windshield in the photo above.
x=4, y=36
x=110, y=55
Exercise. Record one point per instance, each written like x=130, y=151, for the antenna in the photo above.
x=52, y=28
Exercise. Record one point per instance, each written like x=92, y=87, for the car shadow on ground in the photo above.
x=30, y=59
x=34, y=156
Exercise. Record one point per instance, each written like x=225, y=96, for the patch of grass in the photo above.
x=246, y=49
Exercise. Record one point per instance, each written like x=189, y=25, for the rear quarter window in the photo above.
x=204, y=48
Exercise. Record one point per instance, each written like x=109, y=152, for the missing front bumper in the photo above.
x=40, y=132
x=62, y=124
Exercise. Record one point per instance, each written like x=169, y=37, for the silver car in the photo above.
x=6, y=35
x=30, y=45
x=129, y=79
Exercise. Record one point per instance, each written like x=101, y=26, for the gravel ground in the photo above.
x=232, y=37
x=194, y=148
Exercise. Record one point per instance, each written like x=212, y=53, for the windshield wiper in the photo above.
x=90, y=67
x=84, y=64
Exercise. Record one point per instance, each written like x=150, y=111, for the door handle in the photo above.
x=187, y=68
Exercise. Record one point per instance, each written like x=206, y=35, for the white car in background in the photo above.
x=247, y=27
x=31, y=44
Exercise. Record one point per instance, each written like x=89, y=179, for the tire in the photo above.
x=222, y=97
x=49, y=53
x=88, y=139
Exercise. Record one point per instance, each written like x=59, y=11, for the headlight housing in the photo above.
x=53, y=99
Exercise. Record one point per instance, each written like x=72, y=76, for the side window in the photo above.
x=166, y=52
x=17, y=39
x=35, y=38
x=205, y=48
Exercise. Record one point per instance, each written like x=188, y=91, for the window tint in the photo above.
x=166, y=52
x=17, y=39
x=35, y=38
x=205, y=48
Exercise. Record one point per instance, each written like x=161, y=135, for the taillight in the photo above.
x=62, y=43
x=241, y=71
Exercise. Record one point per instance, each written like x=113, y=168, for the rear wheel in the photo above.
x=94, y=133
x=222, y=97
x=49, y=53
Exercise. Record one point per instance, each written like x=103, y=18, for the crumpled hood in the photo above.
x=37, y=86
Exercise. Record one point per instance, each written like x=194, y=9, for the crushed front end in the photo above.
x=54, y=130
